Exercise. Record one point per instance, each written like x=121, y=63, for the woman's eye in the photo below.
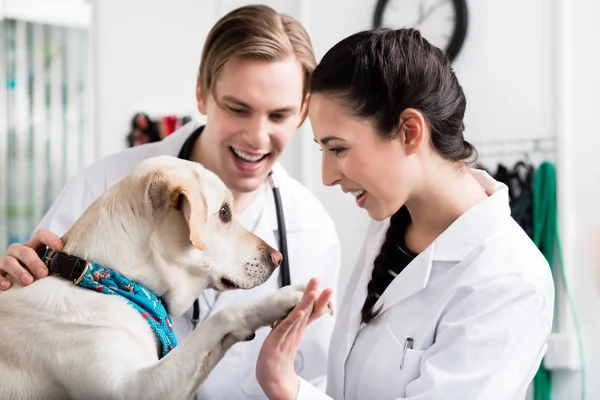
x=225, y=214
x=336, y=150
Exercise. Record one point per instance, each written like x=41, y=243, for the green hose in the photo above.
x=546, y=236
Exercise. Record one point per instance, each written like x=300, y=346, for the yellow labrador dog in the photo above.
x=168, y=228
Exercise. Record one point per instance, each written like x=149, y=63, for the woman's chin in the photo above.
x=377, y=214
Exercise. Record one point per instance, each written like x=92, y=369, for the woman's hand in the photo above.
x=275, y=366
x=20, y=257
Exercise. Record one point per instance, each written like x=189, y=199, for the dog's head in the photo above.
x=194, y=225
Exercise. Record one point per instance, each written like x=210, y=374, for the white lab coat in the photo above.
x=478, y=303
x=313, y=248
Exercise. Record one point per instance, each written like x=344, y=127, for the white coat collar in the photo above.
x=459, y=240
x=175, y=140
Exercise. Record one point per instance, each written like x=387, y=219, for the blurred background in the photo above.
x=82, y=79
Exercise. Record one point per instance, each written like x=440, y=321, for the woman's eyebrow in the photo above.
x=327, y=139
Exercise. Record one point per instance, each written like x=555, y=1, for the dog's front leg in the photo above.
x=182, y=371
x=266, y=310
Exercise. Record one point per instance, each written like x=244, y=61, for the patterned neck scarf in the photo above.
x=107, y=281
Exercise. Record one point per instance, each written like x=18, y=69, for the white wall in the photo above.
x=75, y=13
x=147, y=55
x=585, y=175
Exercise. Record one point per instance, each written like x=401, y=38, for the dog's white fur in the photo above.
x=161, y=226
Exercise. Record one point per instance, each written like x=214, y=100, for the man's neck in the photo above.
x=241, y=201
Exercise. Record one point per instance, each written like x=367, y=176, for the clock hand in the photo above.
x=430, y=11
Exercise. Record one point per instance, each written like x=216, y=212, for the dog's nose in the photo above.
x=276, y=257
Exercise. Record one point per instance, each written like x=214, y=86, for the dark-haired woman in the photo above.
x=449, y=299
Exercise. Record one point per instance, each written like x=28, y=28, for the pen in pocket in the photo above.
x=408, y=344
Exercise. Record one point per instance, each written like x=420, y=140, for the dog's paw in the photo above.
x=267, y=310
x=277, y=305
x=295, y=293
x=289, y=297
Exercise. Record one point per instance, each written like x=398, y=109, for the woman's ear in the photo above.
x=413, y=130
x=200, y=98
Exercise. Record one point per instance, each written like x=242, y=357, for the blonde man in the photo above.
x=252, y=88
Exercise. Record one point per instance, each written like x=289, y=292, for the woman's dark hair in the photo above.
x=376, y=75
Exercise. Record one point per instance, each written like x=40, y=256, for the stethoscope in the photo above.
x=284, y=268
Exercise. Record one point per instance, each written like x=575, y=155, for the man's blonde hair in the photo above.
x=254, y=32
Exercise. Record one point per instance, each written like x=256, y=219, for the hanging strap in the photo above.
x=546, y=236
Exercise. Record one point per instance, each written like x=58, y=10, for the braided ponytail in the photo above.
x=387, y=264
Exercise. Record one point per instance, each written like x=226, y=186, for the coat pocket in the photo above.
x=389, y=368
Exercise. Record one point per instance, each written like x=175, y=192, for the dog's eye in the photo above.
x=225, y=213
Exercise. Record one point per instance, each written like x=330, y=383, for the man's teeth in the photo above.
x=357, y=193
x=247, y=157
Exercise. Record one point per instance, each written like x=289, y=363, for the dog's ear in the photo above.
x=170, y=189
x=195, y=212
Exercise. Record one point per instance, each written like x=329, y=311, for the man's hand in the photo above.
x=21, y=260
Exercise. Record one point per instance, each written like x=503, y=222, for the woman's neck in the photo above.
x=448, y=194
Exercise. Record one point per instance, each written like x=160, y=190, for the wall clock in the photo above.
x=442, y=22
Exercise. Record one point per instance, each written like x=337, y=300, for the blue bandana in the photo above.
x=107, y=281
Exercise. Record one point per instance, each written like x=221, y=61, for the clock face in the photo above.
x=435, y=19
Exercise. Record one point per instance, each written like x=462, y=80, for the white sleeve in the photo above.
x=488, y=345
x=306, y=391
x=72, y=201
x=330, y=262
x=323, y=262
x=90, y=183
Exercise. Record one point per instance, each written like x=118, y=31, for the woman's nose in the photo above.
x=330, y=173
